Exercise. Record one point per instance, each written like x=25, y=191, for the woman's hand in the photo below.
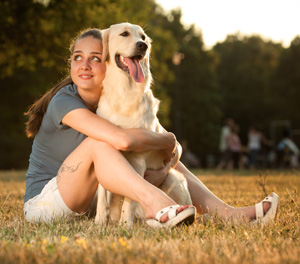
x=157, y=177
x=170, y=150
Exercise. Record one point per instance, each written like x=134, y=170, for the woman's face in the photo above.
x=87, y=68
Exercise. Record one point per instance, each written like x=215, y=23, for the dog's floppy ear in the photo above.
x=105, y=37
x=148, y=41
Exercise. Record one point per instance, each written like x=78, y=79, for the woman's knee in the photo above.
x=96, y=147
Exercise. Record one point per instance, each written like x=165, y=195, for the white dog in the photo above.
x=128, y=102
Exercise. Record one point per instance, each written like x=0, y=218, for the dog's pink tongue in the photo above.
x=135, y=69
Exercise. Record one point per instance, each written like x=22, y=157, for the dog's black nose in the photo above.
x=141, y=46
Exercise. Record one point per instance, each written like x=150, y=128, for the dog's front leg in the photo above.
x=103, y=205
x=128, y=212
x=129, y=206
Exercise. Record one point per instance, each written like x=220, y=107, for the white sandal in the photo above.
x=185, y=217
x=270, y=215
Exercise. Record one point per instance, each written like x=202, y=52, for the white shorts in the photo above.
x=48, y=205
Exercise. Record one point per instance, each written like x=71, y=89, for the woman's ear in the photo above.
x=105, y=37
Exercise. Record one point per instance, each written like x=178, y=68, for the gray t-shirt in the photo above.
x=54, y=141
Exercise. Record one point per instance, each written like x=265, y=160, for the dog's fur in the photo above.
x=128, y=102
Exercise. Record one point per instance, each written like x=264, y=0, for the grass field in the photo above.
x=215, y=242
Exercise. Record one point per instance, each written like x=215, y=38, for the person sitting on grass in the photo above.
x=74, y=150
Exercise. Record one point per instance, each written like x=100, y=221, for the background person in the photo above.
x=223, y=143
x=255, y=140
x=287, y=151
x=235, y=148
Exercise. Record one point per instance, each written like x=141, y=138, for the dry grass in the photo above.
x=217, y=242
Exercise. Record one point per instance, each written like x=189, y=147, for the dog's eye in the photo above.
x=143, y=37
x=125, y=34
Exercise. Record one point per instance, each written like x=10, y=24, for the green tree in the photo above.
x=34, y=38
x=286, y=84
x=195, y=108
x=246, y=66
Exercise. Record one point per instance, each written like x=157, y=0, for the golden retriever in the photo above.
x=128, y=102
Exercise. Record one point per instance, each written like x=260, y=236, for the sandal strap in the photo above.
x=259, y=207
x=171, y=210
x=259, y=210
x=268, y=199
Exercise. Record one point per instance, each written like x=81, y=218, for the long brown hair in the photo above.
x=37, y=110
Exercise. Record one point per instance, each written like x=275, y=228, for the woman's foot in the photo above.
x=265, y=211
x=172, y=216
x=165, y=217
x=266, y=207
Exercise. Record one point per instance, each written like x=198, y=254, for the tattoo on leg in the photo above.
x=65, y=168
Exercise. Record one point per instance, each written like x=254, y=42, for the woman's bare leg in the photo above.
x=206, y=202
x=94, y=162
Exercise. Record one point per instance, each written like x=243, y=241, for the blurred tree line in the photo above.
x=247, y=78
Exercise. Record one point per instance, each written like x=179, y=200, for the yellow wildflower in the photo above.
x=63, y=239
x=122, y=241
x=81, y=243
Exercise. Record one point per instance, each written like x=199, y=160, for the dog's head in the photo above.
x=128, y=47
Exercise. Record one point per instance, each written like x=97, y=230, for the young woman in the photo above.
x=74, y=150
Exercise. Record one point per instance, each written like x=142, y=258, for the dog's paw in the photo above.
x=100, y=219
x=126, y=223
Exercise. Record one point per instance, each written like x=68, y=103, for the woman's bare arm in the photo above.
x=135, y=139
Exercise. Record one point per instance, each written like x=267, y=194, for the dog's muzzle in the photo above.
x=141, y=47
x=132, y=65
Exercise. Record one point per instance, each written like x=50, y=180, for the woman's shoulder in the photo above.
x=70, y=89
x=67, y=96
x=67, y=93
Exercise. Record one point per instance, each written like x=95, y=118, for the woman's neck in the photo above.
x=90, y=98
